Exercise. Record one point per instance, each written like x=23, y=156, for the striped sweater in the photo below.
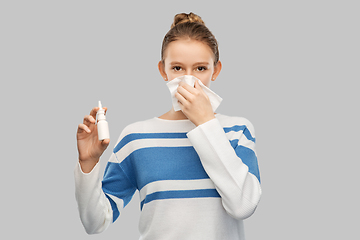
x=194, y=182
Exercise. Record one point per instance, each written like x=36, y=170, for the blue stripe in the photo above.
x=202, y=193
x=114, y=208
x=117, y=183
x=136, y=136
x=147, y=165
x=237, y=128
x=248, y=157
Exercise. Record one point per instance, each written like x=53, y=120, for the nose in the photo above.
x=188, y=72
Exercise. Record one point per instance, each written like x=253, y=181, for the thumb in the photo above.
x=105, y=143
x=197, y=84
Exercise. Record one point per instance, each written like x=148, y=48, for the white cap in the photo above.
x=101, y=112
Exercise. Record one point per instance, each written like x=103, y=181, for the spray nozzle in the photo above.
x=100, y=112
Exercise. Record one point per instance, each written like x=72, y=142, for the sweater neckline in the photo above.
x=171, y=120
x=179, y=120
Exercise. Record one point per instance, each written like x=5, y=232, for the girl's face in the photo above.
x=189, y=57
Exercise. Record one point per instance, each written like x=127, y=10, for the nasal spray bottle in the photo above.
x=102, y=124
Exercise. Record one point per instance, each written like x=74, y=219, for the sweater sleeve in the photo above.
x=94, y=208
x=231, y=164
x=100, y=202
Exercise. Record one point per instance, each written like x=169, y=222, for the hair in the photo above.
x=190, y=26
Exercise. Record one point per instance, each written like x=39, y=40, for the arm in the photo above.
x=94, y=208
x=225, y=164
x=100, y=202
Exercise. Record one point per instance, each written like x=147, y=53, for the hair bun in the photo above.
x=184, y=18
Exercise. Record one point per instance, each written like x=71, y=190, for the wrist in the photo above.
x=88, y=165
x=204, y=120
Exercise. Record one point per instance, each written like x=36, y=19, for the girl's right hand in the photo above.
x=89, y=147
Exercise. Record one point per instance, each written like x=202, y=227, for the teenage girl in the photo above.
x=196, y=171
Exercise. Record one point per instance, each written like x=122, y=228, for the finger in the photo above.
x=185, y=93
x=105, y=142
x=94, y=111
x=89, y=120
x=180, y=98
x=82, y=127
x=187, y=87
x=198, y=87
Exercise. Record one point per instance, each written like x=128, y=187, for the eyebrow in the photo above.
x=196, y=64
x=175, y=63
x=202, y=63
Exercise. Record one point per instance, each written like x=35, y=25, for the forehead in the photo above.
x=188, y=51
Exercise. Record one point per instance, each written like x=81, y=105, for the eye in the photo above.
x=177, y=68
x=201, y=68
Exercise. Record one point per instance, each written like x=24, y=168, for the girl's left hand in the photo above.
x=195, y=104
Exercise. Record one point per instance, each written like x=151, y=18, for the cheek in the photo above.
x=172, y=75
x=205, y=78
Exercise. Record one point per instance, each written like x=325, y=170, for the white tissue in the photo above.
x=215, y=99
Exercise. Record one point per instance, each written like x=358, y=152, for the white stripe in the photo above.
x=167, y=142
x=157, y=125
x=174, y=185
x=146, y=143
x=119, y=202
x=243, y=141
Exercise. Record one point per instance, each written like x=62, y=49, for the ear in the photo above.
x=217, y=70
x=161, y=67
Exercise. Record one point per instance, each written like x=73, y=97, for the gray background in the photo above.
x=290, y=67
